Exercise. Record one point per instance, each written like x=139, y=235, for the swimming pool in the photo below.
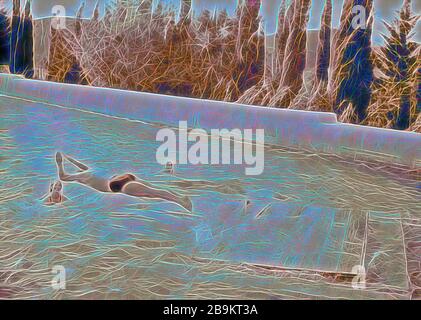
x=310, y=215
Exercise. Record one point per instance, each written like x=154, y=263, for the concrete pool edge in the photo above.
x=314, y=131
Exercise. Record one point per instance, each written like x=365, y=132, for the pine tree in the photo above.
x=352, y=69
x=28, y=42
x=323, y=49
x=319, y=100
x=399, y=65
x=21, y=41
x=4, y=37
x=15, y=40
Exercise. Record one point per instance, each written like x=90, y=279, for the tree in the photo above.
x=323, y=49
x=399, y=63
x=352, y=69
x=28, y=42
x=319, y=98
x=249, y=46
x=4, y=37
x=15, y=40
x=21, y=41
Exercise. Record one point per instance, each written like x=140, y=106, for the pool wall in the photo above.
x=314, y=131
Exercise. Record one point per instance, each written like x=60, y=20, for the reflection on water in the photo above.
x=304, y=212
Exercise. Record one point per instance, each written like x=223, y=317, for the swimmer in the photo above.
x=55, y=195
x=127, y=184
x=169, y=168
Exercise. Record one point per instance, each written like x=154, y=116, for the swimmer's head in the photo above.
x=58, y=186
x=169, y=167
x=56, y=192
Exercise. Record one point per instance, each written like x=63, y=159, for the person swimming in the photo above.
x=55, y=194
x=127, y=184
x=169, y=168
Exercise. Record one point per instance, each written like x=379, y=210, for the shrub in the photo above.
x=214, y=57
x=294, y=58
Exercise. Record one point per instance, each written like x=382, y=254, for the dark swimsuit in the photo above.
x=117, y=185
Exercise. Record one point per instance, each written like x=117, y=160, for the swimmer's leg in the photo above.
x=60, y=168
x=62, y=174
x=85, y=178
x=77, y=163
x=137, y=189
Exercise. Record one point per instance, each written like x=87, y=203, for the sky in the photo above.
x=384, y=10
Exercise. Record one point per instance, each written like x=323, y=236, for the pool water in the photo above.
x=309, y=215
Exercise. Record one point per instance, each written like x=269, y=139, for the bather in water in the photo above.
x=125, y=184
x=55, y=194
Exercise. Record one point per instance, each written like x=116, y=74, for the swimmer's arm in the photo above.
x=48, y=202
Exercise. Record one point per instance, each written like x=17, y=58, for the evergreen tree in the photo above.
x=352, y=68
x=323, y=49
x=401, y=63
x=28, y=42
x=394, y=101
x=4, y=37
x=15, y=40
x=21, y=41
x=319, y=100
